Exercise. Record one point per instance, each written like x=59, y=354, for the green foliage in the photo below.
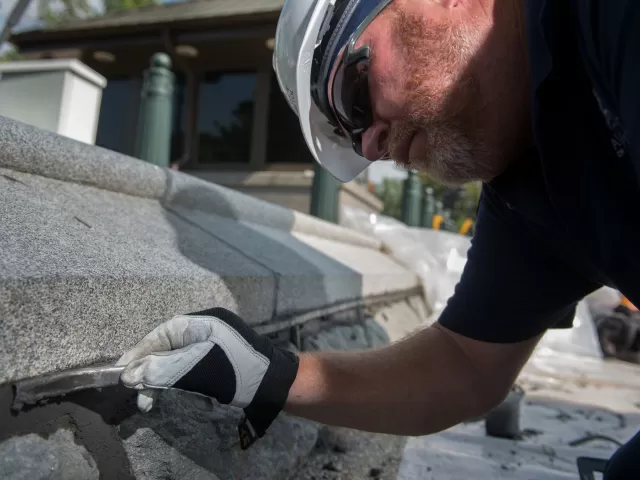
x=116, y=5
x=10, y=55
x=62, y=11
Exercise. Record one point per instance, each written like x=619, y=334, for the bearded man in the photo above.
x=538, y=99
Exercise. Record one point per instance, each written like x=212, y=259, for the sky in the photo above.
x=30, y=15
x=5, y=9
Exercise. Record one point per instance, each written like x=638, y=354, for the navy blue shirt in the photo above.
x=564, y=219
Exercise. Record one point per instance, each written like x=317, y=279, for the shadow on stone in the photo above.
x=92, y=416
x=180, y=439
x=301, y=277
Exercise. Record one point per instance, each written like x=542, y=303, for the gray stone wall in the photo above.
x=102, y=435
x=99, y=248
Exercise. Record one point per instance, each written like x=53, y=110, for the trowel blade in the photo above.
x=34, y=390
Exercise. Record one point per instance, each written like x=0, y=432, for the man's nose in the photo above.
x=375, y=140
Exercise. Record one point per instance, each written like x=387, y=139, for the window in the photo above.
x=118, y=114
x=225, y=117
x=285, y=143
x=178, y=120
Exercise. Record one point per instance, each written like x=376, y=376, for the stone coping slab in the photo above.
x=86, y=272
x=31, y=150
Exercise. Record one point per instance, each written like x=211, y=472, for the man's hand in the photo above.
x=213, y=353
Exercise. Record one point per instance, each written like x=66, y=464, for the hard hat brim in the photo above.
x=333, y=152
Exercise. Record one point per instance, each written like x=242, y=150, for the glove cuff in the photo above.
x=270, y=396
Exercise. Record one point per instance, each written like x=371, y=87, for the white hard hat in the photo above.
x=297, y=37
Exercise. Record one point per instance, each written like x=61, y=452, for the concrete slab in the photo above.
x=31, y=150
x=87, y=272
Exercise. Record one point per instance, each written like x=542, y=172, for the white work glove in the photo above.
x=214, y=353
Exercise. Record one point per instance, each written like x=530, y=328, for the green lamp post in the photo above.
x=153, y=141
x=428, y=208
x=324, y=195
x=411, y=200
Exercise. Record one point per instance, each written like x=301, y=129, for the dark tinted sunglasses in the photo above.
x=350, y=98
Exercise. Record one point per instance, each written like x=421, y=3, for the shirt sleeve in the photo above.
x=512, y=288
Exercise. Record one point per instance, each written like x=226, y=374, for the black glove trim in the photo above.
x=273, y=391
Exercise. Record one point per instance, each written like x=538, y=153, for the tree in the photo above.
x=62, y=11
x=117, y=5
x=10, y=55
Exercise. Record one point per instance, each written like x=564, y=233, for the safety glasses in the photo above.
x=350, y=98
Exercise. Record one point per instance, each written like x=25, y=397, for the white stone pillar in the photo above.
x=62, y=96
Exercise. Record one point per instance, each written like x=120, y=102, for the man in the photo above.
x=538, y=99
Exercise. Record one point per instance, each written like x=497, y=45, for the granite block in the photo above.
x=29, y=149
x=31, y=457
x=399, y=320
x=377, y=335
x=347, y=337
x=306, y=277
x=380, y=273
x=184, y=436
x=85, y=273
x=190, y=193
x=178, y=440
x=309, y=225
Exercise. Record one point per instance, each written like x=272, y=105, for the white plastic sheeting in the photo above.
x=439, y=257
x=546, y=452
x=582, y=339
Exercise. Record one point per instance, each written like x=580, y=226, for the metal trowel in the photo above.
x=37, y=389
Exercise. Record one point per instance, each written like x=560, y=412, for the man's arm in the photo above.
x=428, y=382
x=512, y=289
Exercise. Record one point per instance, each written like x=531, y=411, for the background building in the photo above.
x=231, y=124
